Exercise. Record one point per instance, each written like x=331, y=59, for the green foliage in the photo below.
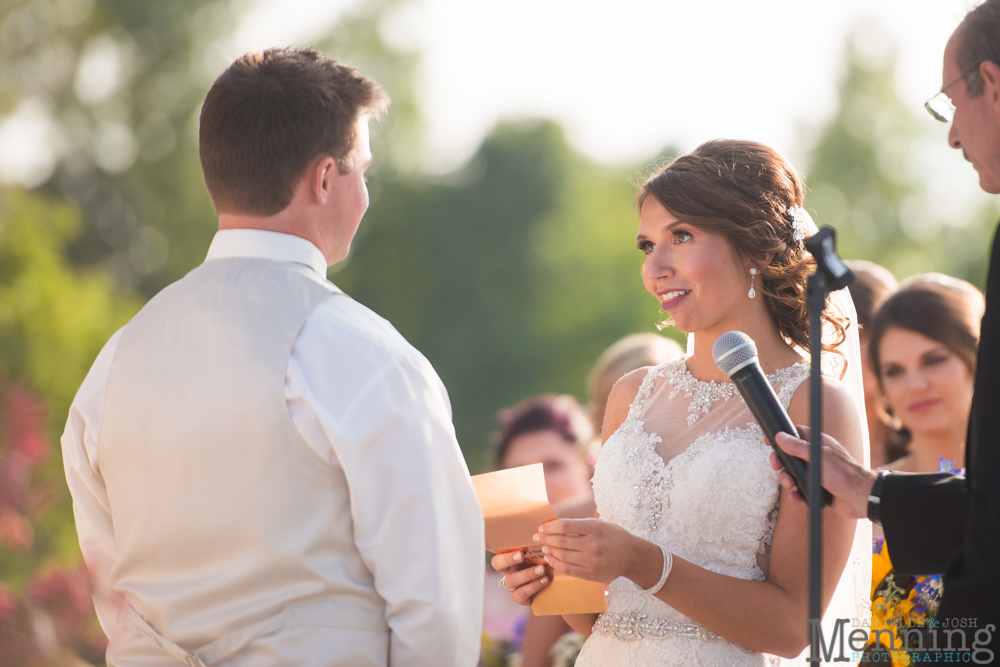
x=511, y=275
x=862, y=180
x=53, y=319
x=122, y=80
x=53, y=322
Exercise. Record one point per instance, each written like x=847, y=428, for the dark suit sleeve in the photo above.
x=923, y=516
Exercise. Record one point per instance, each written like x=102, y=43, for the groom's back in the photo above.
x=222, y=513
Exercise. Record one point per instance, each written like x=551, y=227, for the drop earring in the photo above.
x=753, y=274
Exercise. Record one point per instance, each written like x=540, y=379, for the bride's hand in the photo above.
x=597, y=550
x=522, y=580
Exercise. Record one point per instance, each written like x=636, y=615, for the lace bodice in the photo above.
x=688, y=469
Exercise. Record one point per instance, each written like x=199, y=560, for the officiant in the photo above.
x=264, y=471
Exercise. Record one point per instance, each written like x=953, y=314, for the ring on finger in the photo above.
x=503, y=584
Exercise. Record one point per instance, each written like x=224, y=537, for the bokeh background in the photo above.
x=500, y=238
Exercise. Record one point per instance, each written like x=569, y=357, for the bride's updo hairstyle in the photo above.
x=743, y=190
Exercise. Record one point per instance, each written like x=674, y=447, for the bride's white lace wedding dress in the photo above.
x=688, y=469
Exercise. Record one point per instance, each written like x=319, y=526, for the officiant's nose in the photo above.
x=954, y=141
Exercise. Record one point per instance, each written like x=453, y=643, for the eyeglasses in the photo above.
x=940, y=106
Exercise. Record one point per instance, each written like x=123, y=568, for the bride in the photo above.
x=706, y=557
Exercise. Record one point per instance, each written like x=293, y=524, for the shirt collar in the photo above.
x=267, y=245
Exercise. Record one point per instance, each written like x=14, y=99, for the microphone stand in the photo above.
x=831, y=274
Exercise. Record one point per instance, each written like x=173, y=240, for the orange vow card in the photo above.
x=514, y=505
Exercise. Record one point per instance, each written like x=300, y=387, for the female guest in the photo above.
x=923, y=345
x=873, y=285
x=705, y=565
x=554, y=431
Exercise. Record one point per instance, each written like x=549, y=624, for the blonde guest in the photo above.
x=620, y=359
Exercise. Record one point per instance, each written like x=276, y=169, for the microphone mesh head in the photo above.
x=732, y=350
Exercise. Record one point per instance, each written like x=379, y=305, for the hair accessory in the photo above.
x=753, y=274
x=668, y=563
x=802, y=222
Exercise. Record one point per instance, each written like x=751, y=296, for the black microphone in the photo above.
x=736, y=355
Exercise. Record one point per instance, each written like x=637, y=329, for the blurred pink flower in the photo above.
x=15, y=530
x=26, y=424
x=64, y=595
x=17, y=645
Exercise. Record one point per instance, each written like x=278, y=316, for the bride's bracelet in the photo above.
x=668, y=563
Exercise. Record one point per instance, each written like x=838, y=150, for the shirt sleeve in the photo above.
x=383, y=415
x=86, y=485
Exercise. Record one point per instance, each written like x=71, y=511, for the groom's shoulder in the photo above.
x=352, y=329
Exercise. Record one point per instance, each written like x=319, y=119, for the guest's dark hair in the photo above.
x=979, y=40
x=269, y=115
x=743, y=190
x=562, y=414
x=939, y=307
x=874, y=284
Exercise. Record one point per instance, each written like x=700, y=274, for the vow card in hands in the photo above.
x=515, y=504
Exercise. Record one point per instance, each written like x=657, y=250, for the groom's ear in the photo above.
x=321, y=175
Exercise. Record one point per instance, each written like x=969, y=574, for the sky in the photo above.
x=628, y=78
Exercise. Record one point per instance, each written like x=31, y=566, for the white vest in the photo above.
x=232, y=532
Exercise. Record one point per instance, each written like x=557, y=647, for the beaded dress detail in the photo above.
x=688, y=469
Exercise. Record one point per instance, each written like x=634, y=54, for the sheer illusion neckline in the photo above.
x=706, y=393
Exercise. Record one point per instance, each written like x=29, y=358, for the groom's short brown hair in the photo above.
x=269, y=115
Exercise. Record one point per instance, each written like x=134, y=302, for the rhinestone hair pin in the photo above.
x=802, y=222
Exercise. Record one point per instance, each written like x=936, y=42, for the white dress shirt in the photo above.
x=395, y=471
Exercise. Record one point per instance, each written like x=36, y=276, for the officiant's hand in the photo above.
x=847, y=480
x=598, y=550
x=522, y=579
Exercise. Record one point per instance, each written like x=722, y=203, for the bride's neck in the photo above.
x=772, y=350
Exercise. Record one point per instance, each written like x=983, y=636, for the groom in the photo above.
x=941, y=522
x=264, y=471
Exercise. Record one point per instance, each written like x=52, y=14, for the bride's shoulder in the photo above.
x=628, y=386
x=624, y=392
x=841, y=416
